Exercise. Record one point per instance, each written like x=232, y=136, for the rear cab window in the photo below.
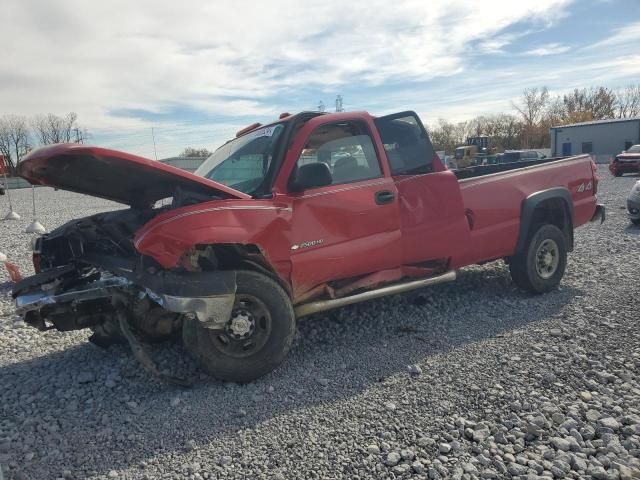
x=406, y=143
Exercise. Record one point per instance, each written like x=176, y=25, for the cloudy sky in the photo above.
x=198, y=71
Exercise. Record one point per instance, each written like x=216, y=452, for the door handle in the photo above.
x=384, y=196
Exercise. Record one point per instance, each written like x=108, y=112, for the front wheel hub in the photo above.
x=248, y=329
x=241, y=325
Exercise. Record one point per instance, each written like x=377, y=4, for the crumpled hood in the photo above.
x=113, y=175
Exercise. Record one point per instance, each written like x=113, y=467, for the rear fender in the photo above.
x=559, y=197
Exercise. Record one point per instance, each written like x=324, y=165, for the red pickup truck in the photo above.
x=312, y=212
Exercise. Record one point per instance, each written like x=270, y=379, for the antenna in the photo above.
x=154, y=143
x=339, y=107
x=321, y=106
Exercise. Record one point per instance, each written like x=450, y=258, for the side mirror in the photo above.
x=309, y=176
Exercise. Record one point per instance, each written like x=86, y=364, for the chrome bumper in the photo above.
x=212, y=311
x=103, y=288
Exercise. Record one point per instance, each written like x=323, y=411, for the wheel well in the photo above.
x=554, y=212
x=552, y=207
x=235, y=256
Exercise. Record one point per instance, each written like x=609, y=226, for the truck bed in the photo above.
x=481, y=170
x=493, y=196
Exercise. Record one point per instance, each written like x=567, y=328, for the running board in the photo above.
x=322, y=305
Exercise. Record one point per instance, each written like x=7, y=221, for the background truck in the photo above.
x=312, y=212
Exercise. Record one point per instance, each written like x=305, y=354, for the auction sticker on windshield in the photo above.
x=263, y=132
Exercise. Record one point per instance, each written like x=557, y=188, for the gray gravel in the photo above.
x=469, y=380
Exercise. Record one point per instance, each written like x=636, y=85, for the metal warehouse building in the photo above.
x=600, y=138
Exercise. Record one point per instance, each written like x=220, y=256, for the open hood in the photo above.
x=113, y=175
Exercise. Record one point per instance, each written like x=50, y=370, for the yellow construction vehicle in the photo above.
x=474, y=152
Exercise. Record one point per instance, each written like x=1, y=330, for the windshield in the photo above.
x=243, y=163
x=634, y=149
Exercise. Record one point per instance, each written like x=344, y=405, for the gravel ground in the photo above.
x=473, y=379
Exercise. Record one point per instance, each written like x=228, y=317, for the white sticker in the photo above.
x=263, y=132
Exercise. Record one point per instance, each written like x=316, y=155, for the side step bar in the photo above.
x=322, y=305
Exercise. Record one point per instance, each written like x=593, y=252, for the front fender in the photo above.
x=168, y=236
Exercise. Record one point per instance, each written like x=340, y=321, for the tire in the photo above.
x=617, y=174
x=241, y=356
x=635, y=221
x=538, y=269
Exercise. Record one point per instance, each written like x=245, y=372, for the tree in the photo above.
x=14, y=139
x=594, y=104
x=444, y=136
x=628, y=101
x=531, y=108
x=51, y=128
x=195, y=152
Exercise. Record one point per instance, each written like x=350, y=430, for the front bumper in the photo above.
x=599, y=214
x=633, y=208
x=208, y=296
x=624, y=167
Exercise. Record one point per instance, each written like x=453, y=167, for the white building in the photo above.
x=190, y=164
x=600, y=138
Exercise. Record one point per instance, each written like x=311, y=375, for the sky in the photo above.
x=190, y=74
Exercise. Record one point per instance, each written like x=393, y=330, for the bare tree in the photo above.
x=52, y=128
x=532, y=104
x=597, y=103
x=531, y=108
x=14, y=139
x=628, y=101
x=5, y=144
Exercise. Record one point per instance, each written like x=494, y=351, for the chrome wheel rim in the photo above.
x=547, y=259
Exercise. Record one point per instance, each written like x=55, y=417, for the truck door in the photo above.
x=432, y=216
x=350, y=227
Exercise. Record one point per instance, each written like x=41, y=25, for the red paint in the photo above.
x=113, y=175
x=625, y=163
x=343, y=232
x=3, y=166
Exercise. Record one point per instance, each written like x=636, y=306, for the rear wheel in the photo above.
x=254, y=341
x=635, y=221
x=540, y=267
x=617, y=173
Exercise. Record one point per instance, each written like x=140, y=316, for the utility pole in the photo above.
x=154, y=143
x=321, y=106
x=339, y=107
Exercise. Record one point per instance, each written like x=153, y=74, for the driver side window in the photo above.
x=346, y=148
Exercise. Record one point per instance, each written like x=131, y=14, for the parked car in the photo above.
x=262, y=234
x=626, y=162
x=520, y=156
x=633, y=204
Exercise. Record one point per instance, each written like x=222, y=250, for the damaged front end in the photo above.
x=91, y=276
